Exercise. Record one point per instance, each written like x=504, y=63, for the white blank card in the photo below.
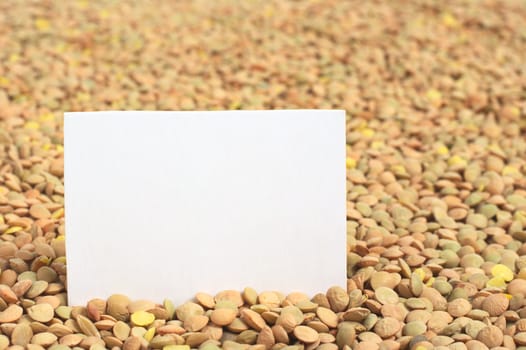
x=166, y=204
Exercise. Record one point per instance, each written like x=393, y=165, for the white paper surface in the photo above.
x=167, y=204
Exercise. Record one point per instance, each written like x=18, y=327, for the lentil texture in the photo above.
x=435, y=94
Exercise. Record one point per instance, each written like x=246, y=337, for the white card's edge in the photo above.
x=235, y=111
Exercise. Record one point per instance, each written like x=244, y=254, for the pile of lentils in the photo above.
x=435, y=95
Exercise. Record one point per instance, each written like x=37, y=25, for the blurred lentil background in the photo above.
x=435, y=93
